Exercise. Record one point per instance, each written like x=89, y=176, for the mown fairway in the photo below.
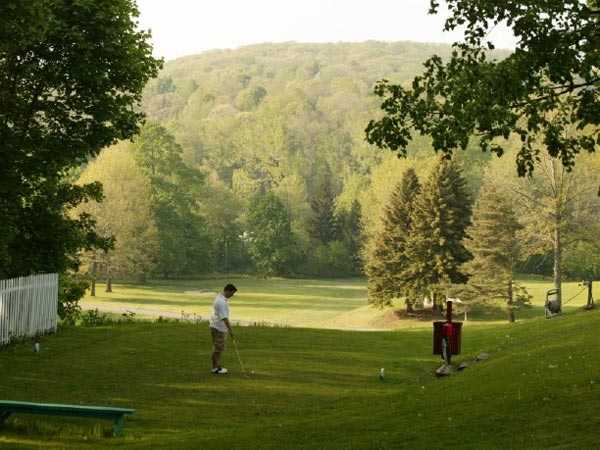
x=313, y=389
x=280, y=301
x=340, y=304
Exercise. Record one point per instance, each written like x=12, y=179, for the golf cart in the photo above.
x=553, y=304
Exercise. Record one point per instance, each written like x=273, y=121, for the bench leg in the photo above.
x=3, y=417
x=118, y=427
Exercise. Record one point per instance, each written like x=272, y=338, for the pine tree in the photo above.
x=322, y=226
x=435, y=249
x=387, y=259
x=493, y=243
x=350, y=233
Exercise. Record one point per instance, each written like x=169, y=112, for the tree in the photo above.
x=582, y=261
x=557, y=207
x=322, y=226
x=284, y=142
x=125, y=215
x=250, y=98
x=494, y=245
x=548, y=84
x=435, y=248
x=71, y=77
x=387, y=259
x=183, y=240
x=350, y=234
x=271, y=240
x=222, y=211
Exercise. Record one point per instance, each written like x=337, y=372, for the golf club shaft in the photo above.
x=237, y=352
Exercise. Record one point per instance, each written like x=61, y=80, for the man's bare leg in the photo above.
x=216, y=360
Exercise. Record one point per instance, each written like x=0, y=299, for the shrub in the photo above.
x=71, y=288
x=94, y=318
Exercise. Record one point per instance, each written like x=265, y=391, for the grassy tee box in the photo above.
x=313, y=389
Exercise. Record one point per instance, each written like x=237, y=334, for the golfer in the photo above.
x=220, y=326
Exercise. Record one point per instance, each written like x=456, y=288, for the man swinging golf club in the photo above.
x=220, y=326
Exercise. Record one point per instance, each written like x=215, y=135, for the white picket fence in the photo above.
x=28, y=306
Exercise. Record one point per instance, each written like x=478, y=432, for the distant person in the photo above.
x=220, y=326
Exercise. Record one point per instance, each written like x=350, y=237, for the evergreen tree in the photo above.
x=493, y=243
x=435, y=249
x=323, y=227
x=350, y=234
x=388, y=259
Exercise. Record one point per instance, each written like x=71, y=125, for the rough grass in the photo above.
x=313, y=389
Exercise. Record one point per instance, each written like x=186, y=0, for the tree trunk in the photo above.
x=108, y=279
x=108, y=273
x=409, y=306
x=436, y=307
x=557, y=258
x=93, y=283
x=510, y=302
x=226, y=257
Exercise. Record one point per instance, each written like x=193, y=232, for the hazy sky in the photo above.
x=185, y=27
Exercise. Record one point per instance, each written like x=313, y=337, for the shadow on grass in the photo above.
x=477, y=313
x=480, y=313
x=494, y=313
x=483, y=313
x=70, y=428
x=254, y=287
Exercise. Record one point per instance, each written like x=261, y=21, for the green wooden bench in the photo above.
x=100, y=412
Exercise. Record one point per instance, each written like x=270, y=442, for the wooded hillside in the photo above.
x=277, y=130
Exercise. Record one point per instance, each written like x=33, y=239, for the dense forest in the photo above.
x=255, y=160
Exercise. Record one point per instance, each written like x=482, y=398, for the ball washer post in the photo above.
x=447, y=336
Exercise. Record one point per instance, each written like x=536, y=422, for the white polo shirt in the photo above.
x=220, y=312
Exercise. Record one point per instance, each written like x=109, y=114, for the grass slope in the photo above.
x=313, y=389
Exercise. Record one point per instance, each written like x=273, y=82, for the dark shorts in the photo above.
x=218, y=338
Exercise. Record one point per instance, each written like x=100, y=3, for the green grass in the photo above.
x=288, y=302
x=313, y=389
x=339, y=304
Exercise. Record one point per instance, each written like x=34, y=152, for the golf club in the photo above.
x=237, y=352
